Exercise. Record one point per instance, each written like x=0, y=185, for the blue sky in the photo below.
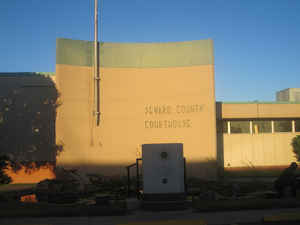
x=256, y=42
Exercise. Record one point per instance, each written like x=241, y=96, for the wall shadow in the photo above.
x=220, y=139
x=204, y=169
x=28, y=103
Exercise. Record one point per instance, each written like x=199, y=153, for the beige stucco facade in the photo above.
x=258, y=150
x=253, y=149
x=139, y=104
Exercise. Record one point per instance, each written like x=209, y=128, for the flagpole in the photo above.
x=96, y=67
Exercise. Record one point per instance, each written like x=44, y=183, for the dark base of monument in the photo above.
x=103, y=200
x=164, y=205
x=164, y=197
x=164, y=202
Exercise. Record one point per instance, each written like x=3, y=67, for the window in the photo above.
x=283, y=126
x=261, y=126
x=297, y=125
x=239, y=127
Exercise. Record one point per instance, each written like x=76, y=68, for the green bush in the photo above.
x=296, y=147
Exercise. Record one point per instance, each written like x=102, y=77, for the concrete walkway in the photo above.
x=139, y=217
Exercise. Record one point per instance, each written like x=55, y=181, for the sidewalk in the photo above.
x=139, y=217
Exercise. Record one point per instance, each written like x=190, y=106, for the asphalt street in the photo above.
x=140, y=217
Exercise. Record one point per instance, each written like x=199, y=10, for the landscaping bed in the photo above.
x=85, y=205
x=16, y=187
x=13, y=192
x=17, y=209
x=282, y=217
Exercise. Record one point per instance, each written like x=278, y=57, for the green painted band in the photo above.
x=136, y=55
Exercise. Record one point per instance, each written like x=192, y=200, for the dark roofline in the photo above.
x=22, y=74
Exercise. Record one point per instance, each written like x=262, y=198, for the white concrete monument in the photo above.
x=163, y=169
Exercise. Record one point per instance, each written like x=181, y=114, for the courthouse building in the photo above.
x=162, y=93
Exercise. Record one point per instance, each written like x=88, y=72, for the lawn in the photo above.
x=243, y=204
x=287, y=217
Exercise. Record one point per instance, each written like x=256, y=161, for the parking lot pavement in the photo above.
x=140, y=217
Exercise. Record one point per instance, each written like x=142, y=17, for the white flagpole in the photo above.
x=96, y=67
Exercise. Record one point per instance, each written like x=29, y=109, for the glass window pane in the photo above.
x=283, y=126
x=239, y=126
x=297, y=125
x=261, y=126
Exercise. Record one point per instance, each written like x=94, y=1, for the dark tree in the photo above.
x=4, y=162
x=27, y=119
x=296, y=147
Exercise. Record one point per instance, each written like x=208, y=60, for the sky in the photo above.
x=256, y=42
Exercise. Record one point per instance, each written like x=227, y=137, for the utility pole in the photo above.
x=96, y=68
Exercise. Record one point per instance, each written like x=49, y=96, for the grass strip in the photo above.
x=243, y=204
x=282, y=217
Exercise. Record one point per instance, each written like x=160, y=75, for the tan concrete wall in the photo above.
x=246, y=150
x=138, y=106
x=260, y=110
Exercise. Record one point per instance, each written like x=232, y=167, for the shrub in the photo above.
x=296, y=147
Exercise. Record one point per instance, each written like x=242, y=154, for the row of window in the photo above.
x=258, y=126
